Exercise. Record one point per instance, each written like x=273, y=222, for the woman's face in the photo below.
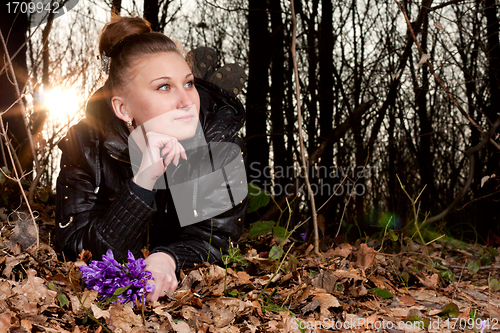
x=161, y=96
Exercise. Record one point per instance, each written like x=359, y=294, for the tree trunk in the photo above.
x=424, y=153
x=14, y=27
x=116, y=7
x=488, y=218
x=258, y=87
x=151, y=13
x=361, y=151
x=493, y=53
x=277, y=95
x=325, y=90
x=311, y=98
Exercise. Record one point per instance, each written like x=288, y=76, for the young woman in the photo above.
x=108, y=200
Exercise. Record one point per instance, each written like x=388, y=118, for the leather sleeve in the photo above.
x=85, y=217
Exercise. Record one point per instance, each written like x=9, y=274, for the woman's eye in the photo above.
x=190, y=84
x=164, y=87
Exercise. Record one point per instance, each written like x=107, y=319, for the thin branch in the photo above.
x=441, y=83
x=470, y=177
x=487, y=136
x=23, y=107
x=18, y=179
x=299, y=116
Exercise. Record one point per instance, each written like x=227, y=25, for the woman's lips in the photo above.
x=185, y=119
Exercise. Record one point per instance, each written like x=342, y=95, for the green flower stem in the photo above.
x=276, y=272
x=91, y=316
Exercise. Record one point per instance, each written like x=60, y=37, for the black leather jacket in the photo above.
x=97, y=210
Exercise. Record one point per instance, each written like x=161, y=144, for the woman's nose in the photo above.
x=184, y=99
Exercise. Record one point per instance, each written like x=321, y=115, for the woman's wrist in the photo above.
x=144, y=182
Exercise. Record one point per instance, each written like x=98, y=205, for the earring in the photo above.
x=129, y=123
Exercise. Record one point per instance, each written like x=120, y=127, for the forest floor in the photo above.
x=374, y=285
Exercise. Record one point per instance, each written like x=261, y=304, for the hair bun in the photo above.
x=120, y=28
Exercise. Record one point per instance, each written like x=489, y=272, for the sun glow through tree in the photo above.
x=62, y=104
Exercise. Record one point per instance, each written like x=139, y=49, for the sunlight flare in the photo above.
x=61, y=103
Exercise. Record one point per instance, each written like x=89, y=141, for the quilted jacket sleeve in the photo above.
x=85, y=217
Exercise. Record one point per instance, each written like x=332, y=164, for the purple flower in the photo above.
x=303, y=235
x=483, y=325
x=115, y=282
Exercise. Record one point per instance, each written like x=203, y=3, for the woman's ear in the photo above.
x=120, y=109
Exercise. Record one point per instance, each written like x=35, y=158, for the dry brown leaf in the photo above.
x=5, y=289
x=215, y=273
x=256, y=306
x=326, y=301
x=365, y=256
x=358, y=291
x=225, y=309
x=382, y=283
x=371, y=321
x=180, y=327
x=190, y=279
x=262, y=280
x=430, y=282
x=325, y=280
x=407, y=300
x=476, y=295
x=431, y=296
x=194, y=316
x=310, y=306
x=26, y=324
x=27, y=306
x=354, y=321
x=98, y=312
x=87, y=297
x=34, y=289
x=398, y=312
x=351, y=273
x=288, y=324
x=23, y=235
x=264, y=263
x=11, y=262
x=122, y=318
x=243, y=278
x=343, y=250
x=5, y=322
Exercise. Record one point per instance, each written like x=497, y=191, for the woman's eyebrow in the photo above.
x=162, y=78
x=169, y=78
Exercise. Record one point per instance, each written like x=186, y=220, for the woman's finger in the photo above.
x=171, y=152
x=177, y=156
x=183, y=153
x=166, y=148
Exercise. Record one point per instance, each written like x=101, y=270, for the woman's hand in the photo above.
x=162, y=266
x=158, y=150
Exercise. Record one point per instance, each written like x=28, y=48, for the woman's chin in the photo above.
x=184, y=132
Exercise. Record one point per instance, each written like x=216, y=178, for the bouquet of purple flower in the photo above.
x=117, y=282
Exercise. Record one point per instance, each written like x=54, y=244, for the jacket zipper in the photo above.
x=120, y=160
